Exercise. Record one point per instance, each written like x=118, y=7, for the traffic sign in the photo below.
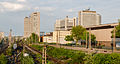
x=14, y=46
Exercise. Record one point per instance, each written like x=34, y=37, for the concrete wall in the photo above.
x=48, y=39
x=59, y=36
x=102, y=34
x=27, y=29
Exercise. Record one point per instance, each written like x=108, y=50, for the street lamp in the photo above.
x=14, y=46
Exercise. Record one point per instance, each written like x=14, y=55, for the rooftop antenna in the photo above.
x=88, y=9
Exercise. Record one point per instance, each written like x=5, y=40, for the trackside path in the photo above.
x=93, y=50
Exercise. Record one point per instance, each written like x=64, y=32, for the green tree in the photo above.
x=3, y=59
x=78, y=32
x=34, y=38
x=93, y=37
x=69, y=38
x=117, y=33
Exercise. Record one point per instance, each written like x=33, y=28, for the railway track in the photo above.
x=57, y=61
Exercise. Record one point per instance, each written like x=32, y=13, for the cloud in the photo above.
x=49, y=9
x=8, y=6
x=21, y=0
x=46, y=10
x=1, y=10
x=69, y=10
x=53, y=2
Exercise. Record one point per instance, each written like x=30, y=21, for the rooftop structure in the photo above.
x=88, y=18
x=65, y=24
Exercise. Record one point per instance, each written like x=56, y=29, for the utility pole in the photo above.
x=10, y=37
x=86, y=40
x=43, y=56
x=24, y=46
x=35, y=38
x=44, y=61
x=28, y=40
x=90, y=38
x=114, y=43
x=57, y=37
x=46, y=38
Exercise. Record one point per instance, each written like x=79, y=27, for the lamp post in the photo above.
x=24, y=46
x=114, y=39
x=57, y=37
x=90, y=38
x=15, y=53
x=86, y=40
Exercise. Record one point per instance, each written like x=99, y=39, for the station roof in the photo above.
x=101, y=26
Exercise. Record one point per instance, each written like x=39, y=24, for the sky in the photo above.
x=12, y=12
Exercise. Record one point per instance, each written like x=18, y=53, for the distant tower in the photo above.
x=10, y=37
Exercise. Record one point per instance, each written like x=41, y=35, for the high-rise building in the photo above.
x=62, y=29
x=32, y=24
x=88, y=18
x=65, y=24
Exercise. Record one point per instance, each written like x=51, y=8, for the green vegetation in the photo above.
x=78, y=32
x=68, y=56
x=93, y=38
x=37, y=47
x=34, y=38
x=117, y=31
x=27, y=60
x=113, y=58
x=3, y=59
x=38, y=57
x=79, y=57
x=8, y=52
x=69, y=38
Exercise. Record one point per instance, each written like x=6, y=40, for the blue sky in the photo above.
x=12, y=12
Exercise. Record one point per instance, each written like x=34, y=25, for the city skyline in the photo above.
x=12, y=12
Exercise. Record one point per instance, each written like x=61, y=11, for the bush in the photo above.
x=113, y=58
x=70, y=44
x=27, y=60
x=69, y=56
x=3, y=59
x=79, y=57
x=52, y=43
